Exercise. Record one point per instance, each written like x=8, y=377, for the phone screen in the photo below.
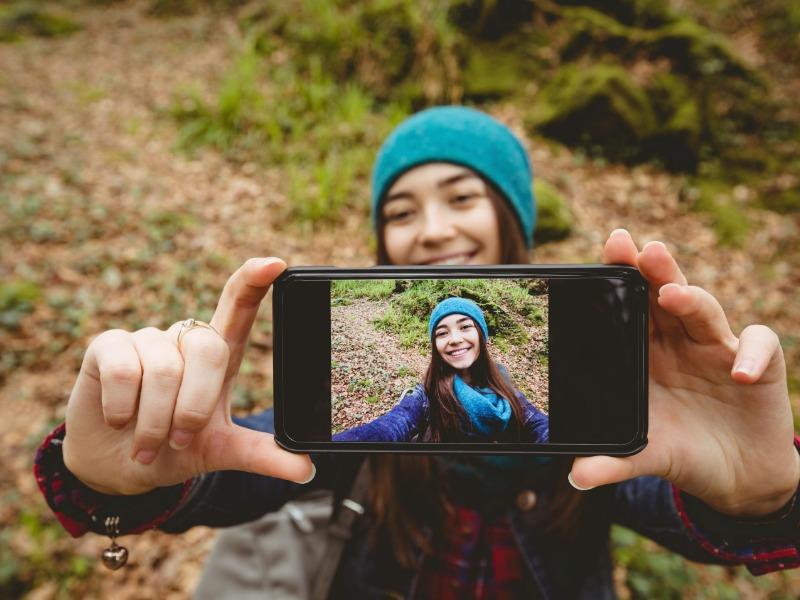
x=494, y=363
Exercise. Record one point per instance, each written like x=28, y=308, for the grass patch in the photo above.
x=508, y=305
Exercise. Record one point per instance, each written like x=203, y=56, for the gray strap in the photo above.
x=339, y=531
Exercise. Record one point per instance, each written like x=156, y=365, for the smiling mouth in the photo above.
x=458, y=352
x=451, y=259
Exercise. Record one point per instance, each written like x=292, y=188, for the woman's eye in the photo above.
x=398, y=216
x=464, y=198
x=466, y=326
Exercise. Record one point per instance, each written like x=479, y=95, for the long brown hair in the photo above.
x=408, y=491
x=447, y=416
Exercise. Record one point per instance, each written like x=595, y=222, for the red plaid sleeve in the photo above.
x=763, y=545
x=79, y=508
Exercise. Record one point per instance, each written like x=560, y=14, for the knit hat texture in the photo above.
x=463, y=136
x=459, y=306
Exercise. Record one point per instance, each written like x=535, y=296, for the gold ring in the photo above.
x=190, y=324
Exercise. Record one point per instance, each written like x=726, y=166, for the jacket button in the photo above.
x=526, y=499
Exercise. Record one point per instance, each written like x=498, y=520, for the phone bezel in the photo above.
x=628, y=273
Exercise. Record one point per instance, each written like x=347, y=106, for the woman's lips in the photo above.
x=451, y=259
x=458, y=352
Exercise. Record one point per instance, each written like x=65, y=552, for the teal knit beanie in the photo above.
x=463, y=136
x=458, y=306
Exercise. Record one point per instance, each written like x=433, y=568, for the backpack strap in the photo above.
x=340, y=530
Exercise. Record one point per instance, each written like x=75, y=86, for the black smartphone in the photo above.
x=547, y=359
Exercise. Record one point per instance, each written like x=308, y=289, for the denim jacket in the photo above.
x=580, y=568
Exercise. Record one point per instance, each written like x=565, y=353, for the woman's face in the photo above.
x=457, y=341
x=440, y=214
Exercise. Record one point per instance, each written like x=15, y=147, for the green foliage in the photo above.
x=728, y=219
x=25, y=566
x=20, y=19
x=362, y=288
x=508, y=305
x=294, y=115
x=553, y=219
x=17, y=297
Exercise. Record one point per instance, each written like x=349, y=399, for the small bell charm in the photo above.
x=115, y=556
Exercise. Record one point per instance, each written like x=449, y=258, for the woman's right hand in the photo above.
x=146, y=412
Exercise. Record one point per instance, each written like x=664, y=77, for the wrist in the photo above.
x=74, y=468
x=772, y=500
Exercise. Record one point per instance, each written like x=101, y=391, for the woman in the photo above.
x=466, y=396
x=149, y=417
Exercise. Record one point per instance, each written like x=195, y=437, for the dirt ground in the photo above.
x=83, y=116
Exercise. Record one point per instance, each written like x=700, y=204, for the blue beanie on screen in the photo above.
x=463, y=136
x=457, y=306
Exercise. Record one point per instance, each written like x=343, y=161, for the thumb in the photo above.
x=239, y=303
x=257, y=452
x=591, y=471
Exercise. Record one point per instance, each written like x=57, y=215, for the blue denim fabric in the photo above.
x=576, y=568
x=409, y=417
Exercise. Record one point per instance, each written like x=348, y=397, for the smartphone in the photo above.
x=358, y=368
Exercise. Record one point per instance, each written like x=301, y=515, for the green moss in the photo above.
x=27, y=18
x=728, y=219
x=553, y=220
x=695, y=50
x=786, y=201
x=678, y=137
x=599, y=108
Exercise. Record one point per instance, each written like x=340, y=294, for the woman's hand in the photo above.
x=146, y=412
x=720, y=419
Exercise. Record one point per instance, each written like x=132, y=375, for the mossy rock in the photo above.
x=26, y=18
x=597, y=107
x=696, y=50
x=677, y=140
x=647, y=14
x=494, y=69
x=553, y=220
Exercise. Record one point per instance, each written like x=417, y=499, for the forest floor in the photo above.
x=117, y=229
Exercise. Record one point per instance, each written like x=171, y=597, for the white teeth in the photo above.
x=459, y=352
x=453, y=260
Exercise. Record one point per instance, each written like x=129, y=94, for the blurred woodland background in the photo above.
x=148, y=148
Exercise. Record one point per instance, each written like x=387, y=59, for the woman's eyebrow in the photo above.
x=401, y=195
x=456, y=178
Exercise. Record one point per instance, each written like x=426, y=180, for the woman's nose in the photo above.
x=436, y=228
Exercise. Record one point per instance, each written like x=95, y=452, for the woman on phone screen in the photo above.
x=466, y=396
x=149, y=438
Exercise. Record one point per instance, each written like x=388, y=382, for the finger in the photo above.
x=620, y=249
x=111, y=372
x=240, y=301
x=205, y=356
x=702, y=316
x=591, y=471
x=162, y=371
x=758, y=345
x=658, y=266
x=257, y=452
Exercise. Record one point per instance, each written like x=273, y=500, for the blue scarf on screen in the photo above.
x=488, y=413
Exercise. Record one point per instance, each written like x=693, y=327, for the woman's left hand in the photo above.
x=720, y=419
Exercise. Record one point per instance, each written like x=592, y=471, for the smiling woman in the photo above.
x=466, y=395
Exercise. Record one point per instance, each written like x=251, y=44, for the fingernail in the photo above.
x=180, y=438
x=746, y=366
x=575, y=485
x=654, y=243
x=311, y=477
x=619, y=232
x=145, y=457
